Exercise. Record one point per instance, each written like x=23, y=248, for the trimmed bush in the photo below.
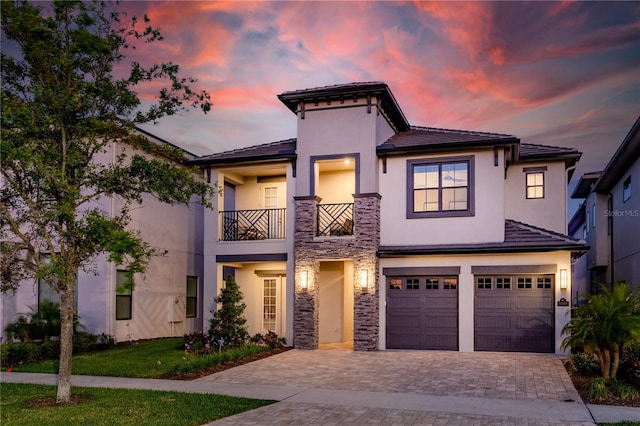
x=584, y=363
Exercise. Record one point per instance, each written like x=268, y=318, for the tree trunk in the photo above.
x=615, y=351
x=606, y=373
x=67, y=298
x=600, y=357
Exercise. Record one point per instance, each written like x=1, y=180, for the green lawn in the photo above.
x=146, y=359
x=118, y=407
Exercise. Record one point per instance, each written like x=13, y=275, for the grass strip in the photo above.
x=103, y=406
x=144, y=359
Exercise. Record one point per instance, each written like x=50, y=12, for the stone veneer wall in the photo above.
x=361, y=247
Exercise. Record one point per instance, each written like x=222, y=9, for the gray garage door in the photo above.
x=422, y=313
x=514, y=313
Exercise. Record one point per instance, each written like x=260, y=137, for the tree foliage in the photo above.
x=63, y=108
x=228, y=321
x=605, y=323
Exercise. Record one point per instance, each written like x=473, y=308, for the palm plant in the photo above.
x=606, y=322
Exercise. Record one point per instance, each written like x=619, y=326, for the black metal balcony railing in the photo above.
x=335, y=220
x=264, y=224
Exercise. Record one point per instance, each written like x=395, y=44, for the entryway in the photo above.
x=336, y=304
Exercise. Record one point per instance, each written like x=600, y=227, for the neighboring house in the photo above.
x=609, y=220
x=368, y=231
x=166, y=301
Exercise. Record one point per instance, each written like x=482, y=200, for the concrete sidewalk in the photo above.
x=308, y=405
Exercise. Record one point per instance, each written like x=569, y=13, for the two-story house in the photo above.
x=164, y=301
x=367, y=231
x=609, y=220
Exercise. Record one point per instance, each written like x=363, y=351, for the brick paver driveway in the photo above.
x=515, y=376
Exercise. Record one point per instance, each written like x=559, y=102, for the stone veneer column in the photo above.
x=362, y=248
x=366, y=332
x=305, y=317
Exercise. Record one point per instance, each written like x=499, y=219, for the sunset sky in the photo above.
x=556, y=73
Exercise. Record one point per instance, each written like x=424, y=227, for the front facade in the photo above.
x=608, y=220
x=370, y=232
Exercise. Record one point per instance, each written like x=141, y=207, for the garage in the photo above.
x=514, y=313
x=422, y=312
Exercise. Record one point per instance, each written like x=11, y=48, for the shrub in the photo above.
x=271, y=339
x=623, y=390
x=584, y=363
x=598, y=389
x=17, y=353
x=630, y=363
x=228, y=321
x=198, y=342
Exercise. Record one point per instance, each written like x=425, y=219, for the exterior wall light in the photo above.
x=304, y=280
x=364, y=279
x=563, y=279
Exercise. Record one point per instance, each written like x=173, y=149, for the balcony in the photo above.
x=243, y=225
x=335, y=220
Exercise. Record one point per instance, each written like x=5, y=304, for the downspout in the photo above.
x=110, y=278
x=612, y=263
x=566, y=195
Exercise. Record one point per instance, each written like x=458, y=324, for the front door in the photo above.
x=269, y=304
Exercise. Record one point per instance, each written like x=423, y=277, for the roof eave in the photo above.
x=399, y=252
x=385, y=151
x=261, y=159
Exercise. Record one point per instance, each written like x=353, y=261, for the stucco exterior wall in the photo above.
x=174, y=229
x=466, y=288
x=486, y=225
x=549, y=212
x=344, y=130
x=626, y=228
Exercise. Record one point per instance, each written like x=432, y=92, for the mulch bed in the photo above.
x=581, y=383
x=221, y=367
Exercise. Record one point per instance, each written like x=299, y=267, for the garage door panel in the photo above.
x=439, y=322
x=440, y=342
x=422, y=314
x=518, y=319
x=404, y=303
x=534, y=302
x=489, y=302
x=440, y=303
x=403, y=320
x=494, y=322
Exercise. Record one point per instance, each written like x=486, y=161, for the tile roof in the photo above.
x=420, y=139
x=341, y=92
x=519, y=237
x=280, y=150
x=534, y=151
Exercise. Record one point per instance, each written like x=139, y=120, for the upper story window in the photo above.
x=440, y=187
x=535, y=185
x=626, y=190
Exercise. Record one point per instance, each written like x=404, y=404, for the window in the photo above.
x=586, y=221
x=593, y=215
x=440, y=187
x=192, y=296
x=395, y=284
x=626, y=190
x=432, y=283
x=525, y=282
x=483, y=283
x=535, y=185
x=503, y=282
x=413, y=284
x=450, y=283
x=123, y=296
x=269, y=305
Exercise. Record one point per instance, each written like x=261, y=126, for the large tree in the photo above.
x=65, y=100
